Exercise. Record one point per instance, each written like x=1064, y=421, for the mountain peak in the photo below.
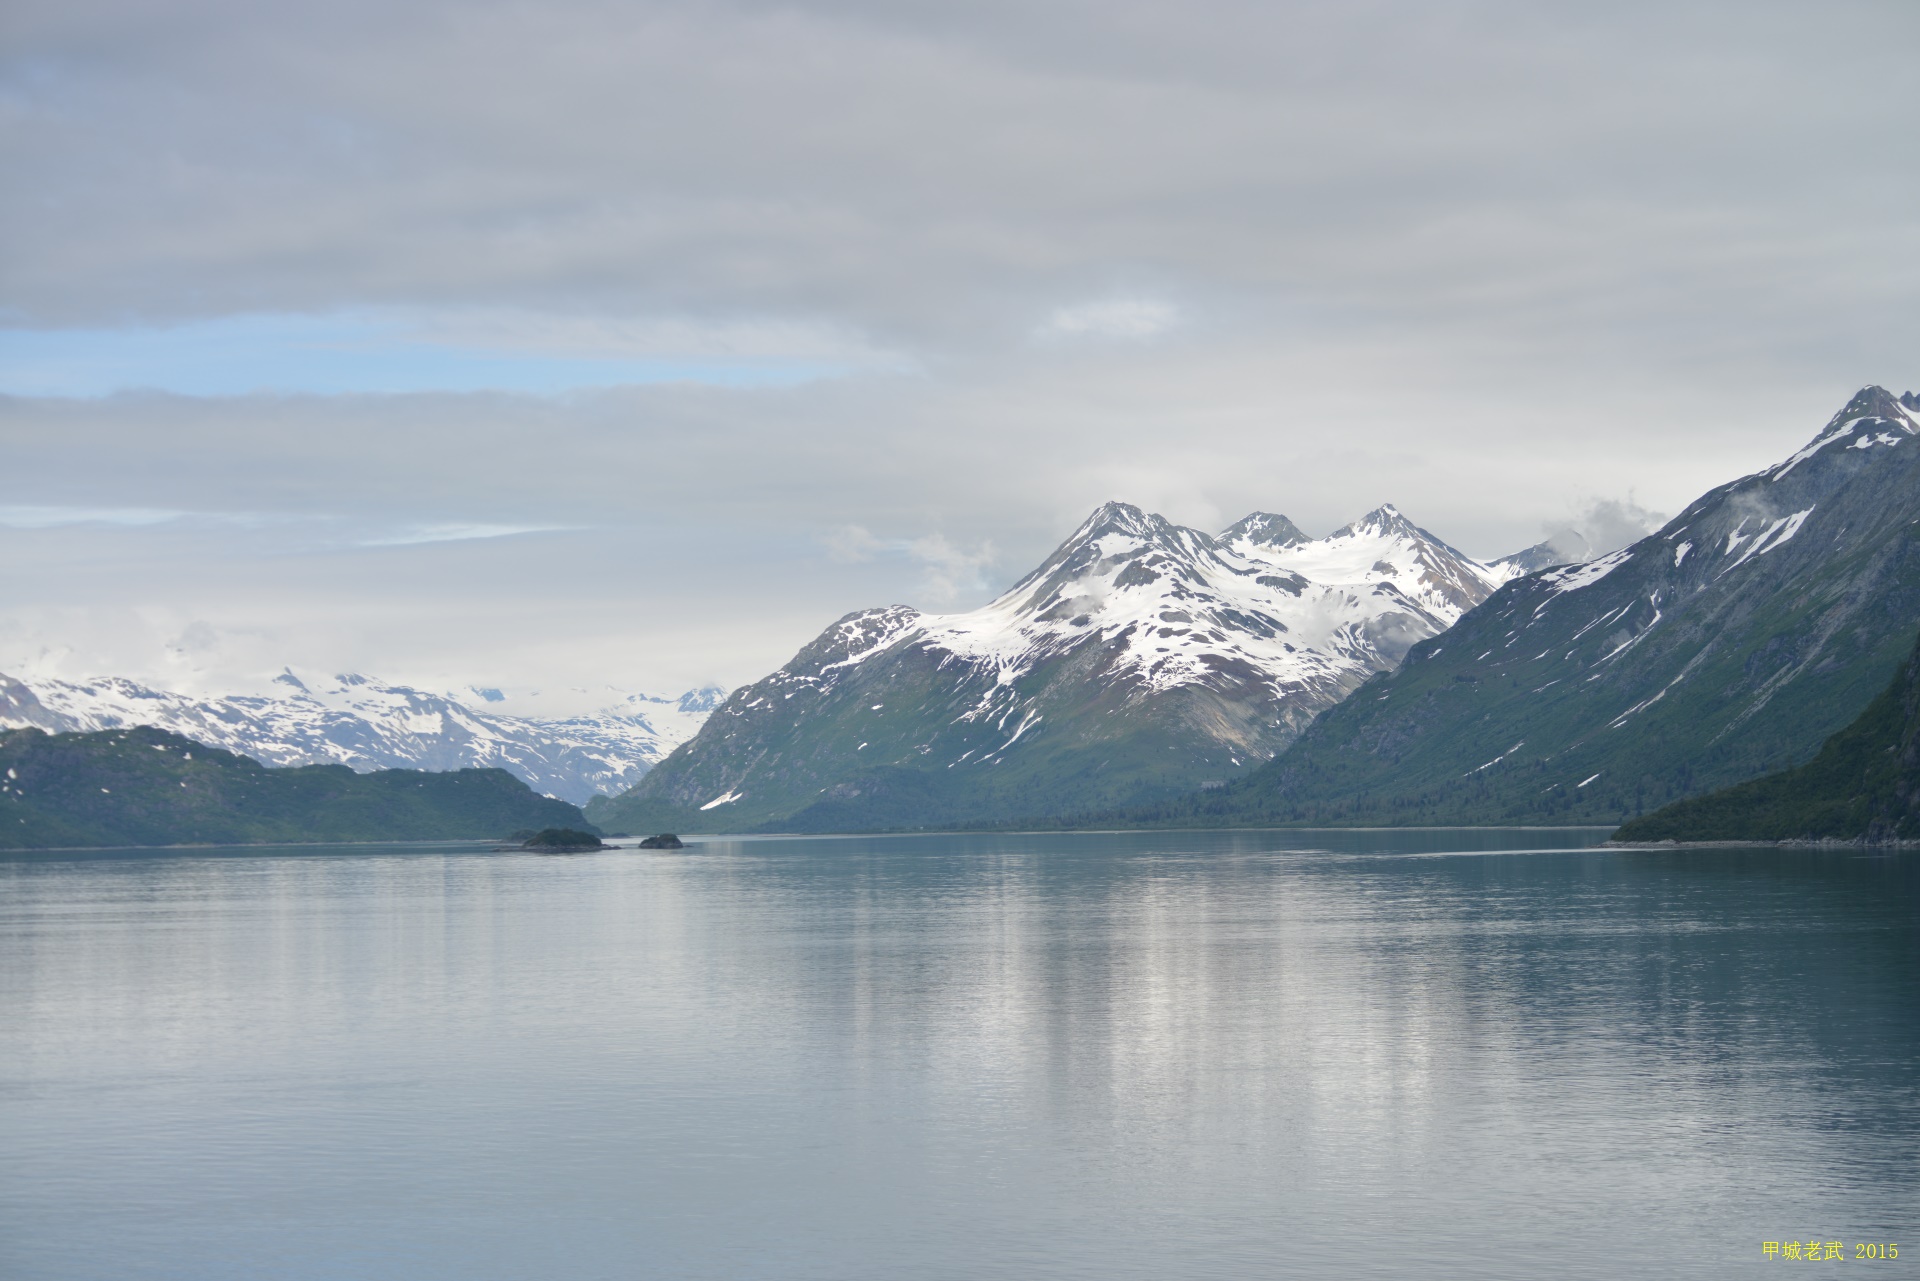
x=1137, y=535
x=1568, y=547
x=1384, y=519
x=1264, y=529
x=1874, y=416
x=1115, y=517
x=1082, y=548
x=1873, y=402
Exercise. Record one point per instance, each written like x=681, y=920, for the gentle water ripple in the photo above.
x=1452, y=1054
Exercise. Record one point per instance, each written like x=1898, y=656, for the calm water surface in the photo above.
x=1165, y=1055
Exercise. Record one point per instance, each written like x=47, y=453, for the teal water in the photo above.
x=1159, y=1055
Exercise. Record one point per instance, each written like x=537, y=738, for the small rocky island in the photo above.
x=664, y=841
x=561, y=840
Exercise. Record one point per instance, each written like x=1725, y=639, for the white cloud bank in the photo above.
x=948, y=571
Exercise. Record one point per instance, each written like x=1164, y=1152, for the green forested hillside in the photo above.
x=1864, y=785
x=911, y=705
x=149, y=787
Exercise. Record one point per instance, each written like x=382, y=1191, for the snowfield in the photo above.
x=1314, y=617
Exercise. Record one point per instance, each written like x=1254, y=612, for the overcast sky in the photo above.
x=575, y=345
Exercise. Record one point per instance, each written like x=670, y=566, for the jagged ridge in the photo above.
x=1138, y=659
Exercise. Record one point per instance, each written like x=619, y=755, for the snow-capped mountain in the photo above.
x=1731, y=642
x=1175, y=607
x=363, y=723
x=1140, y=657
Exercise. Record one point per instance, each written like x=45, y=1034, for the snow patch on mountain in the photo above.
x=1572, y=578
x=1766, y=540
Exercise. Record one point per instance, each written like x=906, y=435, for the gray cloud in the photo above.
x=1494, y=262
x=949, y=570
x=940, y=181
x=1612, y=523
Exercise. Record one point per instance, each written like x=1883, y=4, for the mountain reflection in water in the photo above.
x=1466, y=1053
